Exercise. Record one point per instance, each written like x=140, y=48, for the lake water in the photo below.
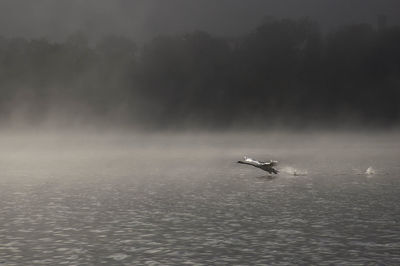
x=120, y=199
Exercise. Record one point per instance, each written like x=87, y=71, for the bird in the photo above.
x=266, y=166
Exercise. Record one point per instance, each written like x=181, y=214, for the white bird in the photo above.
x=266, y=166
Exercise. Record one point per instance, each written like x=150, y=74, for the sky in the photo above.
x=143, y=19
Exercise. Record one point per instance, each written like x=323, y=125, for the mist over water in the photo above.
x=128, y=198
x=122, y=122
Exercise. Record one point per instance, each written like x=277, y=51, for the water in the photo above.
x=173, y=200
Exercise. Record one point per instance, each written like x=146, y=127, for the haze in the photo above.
x=122, y=122
x=143, y=20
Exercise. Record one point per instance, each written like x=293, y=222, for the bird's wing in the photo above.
x=252, y=162
x=270, y=163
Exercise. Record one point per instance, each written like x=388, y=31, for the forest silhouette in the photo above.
x=285, y=72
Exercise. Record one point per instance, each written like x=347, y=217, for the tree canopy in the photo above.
x=284, y=71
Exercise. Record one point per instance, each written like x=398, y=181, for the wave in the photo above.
x=293, y=171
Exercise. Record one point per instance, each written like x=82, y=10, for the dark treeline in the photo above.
x=285, y=71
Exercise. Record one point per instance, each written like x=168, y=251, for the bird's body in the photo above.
x=266, y=166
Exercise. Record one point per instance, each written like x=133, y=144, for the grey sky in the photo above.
x=143, y=19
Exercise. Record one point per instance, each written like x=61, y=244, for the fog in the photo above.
x=88, y=153
x=122, y=122
x=161, y=65
x=283, y=73
x=143, y=20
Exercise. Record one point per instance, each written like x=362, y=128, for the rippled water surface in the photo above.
x=173, y=200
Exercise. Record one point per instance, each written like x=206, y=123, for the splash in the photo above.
x=370, y=171
x=294, y=171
